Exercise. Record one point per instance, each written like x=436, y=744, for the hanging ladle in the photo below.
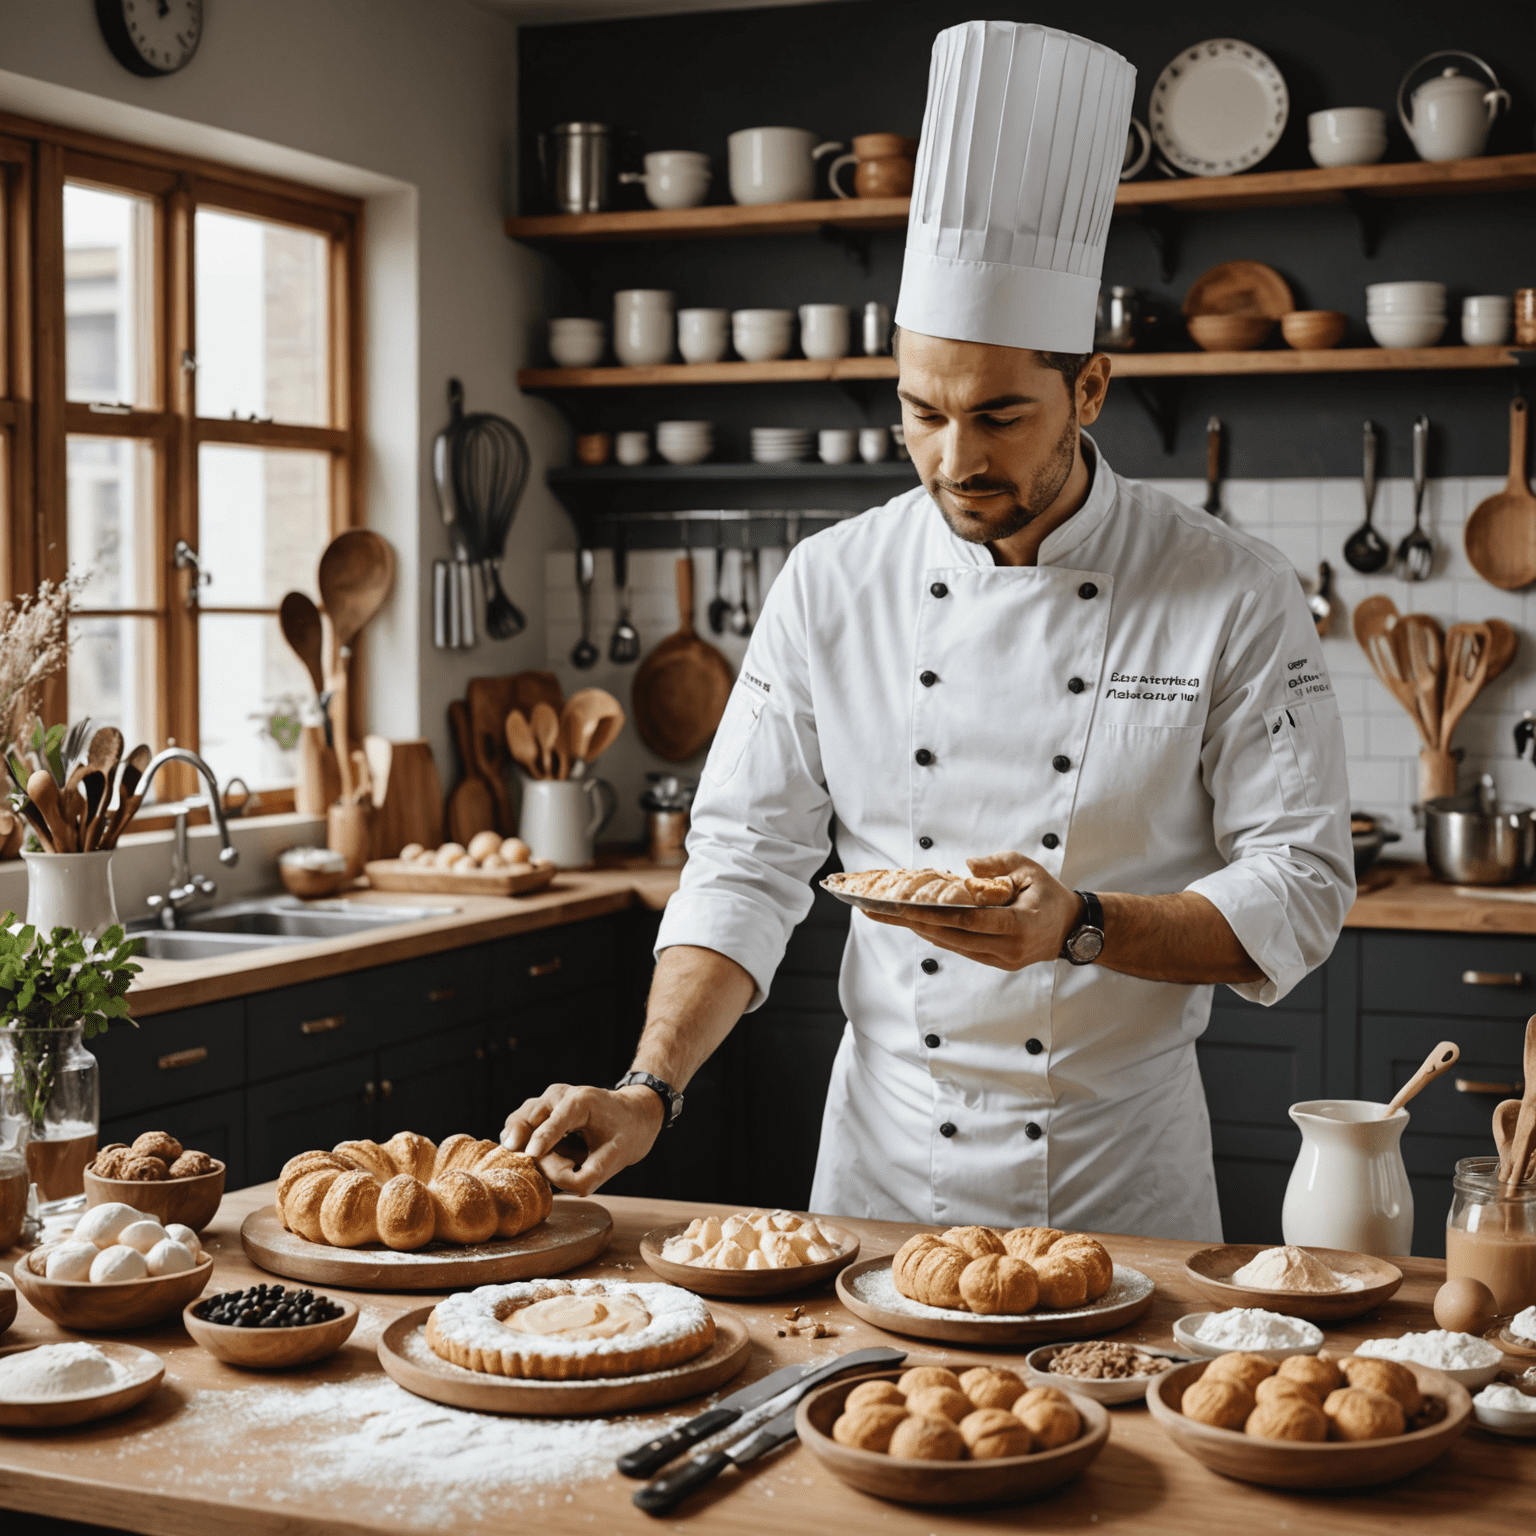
x=1365, y=549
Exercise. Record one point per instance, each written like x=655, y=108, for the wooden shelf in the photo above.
x=660, y=474
x=1260, y=189
x=1130, y=365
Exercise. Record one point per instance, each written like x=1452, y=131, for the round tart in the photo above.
x=563, y=1330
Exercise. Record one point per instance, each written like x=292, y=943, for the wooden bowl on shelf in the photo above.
x=114, y=1304
x=1313, y=330
x=1309, y=1464
x=311, y=884
x=1210, y=1271
x=270, y=1349
x=1229, y=333
x=1003, y=1480
x=194, y=1201
x=747, y=1282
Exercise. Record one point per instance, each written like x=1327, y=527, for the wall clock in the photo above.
x=151, y=37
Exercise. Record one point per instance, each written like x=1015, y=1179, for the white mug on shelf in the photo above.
x=775, y=165
x=673, y=178
x=836, y=445
x=873, y=442
x=1486, y=319
x=824, y=330
x=561, y=818
x=643, y=326
x=632, y=448
x=703, y=335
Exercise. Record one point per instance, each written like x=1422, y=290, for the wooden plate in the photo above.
x=574, y=1232
x=1005, y=1480
x=147, y=1372
x=115, y=1304
x=1515, y=1344
x=1210, y=1269
x=394, y=875
x=421, y=1372
x=1109, y=1389
x=1239, y=288
x=1128, y=1297
x=1291, y=1464
x=269, y=1349
x=7, y=1302
x=746, y=1282
x=194, y=1201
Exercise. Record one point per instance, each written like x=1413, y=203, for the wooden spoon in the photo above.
x=1425, y=642
x=1505, y=643
x=1500, y=538
x=125, y=801
x=356, y=571
x=585, y=712
x=43, y=792
x=546, y=731
x=300, y=620
x=522, y=744
x=1434, y=1064
x=1512, y=1169
x=603, y=737
x=1466, y=673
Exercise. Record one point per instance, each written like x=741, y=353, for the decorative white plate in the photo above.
x=1219, y=108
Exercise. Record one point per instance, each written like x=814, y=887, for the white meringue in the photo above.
x=71, y=1261
x=118, y=1263
x=168, y=1257
x=102, y=1223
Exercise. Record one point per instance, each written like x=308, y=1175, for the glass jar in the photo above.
x=1490, y=1234
x=50, y=1105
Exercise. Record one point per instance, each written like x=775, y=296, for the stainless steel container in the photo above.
x=877, y=329
x=1120, y=316
x=1469, y=840
x=577, y=160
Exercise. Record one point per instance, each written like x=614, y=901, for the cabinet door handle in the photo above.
x=187, y=1058
x=370, y=1093
x=1500, y=1090
x=385, y=1088
x=322, y=1026
x=545, y=967
x=441, y=995
x=1493, y=978
x=511, y=1042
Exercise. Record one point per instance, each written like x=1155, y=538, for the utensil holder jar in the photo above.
x=1490, y=1233
x=71, y=890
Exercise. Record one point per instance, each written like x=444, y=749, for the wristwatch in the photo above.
x=1085, y=943
x=671, y=1099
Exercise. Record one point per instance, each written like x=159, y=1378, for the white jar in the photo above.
x=836, y=445
x=644, y=329
x=703, y=335
x=824, y=330
x=873, y=442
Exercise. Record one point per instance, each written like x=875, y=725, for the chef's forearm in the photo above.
x=1179, y=938
x=697, y=995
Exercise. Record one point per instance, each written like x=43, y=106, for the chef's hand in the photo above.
x=1031, y=928
x=617, y=1127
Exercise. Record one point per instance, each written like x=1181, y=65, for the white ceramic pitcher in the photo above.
x=562, y=817
x=1349, y=1188
x=71, y=890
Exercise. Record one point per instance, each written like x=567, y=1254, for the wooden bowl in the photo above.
x=269, y=1349
x=1294, y=1464
x=311, y=884
x=747, y=1282
x=1313, y=330
x=194, y=1202
x=1005, y=1480
x=87, y=1308
x=145, y=1371
x=1229, y=333
x=1210, y=1271
x=8, y=1302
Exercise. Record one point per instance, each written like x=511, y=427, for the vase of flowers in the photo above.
x=57, y=990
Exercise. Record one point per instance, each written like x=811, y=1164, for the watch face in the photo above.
x=152, y=37
x=1086, y=944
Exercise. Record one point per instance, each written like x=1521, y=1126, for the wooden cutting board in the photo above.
x=490, y=701
x=470, y=807
x=407, y=795
x=681, y=688
x=394, y=875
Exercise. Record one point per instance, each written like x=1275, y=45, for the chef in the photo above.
x=1063, y=677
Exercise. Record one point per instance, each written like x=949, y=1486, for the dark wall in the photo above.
x=685, y=82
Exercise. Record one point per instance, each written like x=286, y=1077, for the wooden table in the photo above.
x=154, y=1469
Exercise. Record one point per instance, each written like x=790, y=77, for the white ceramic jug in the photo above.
x=562, y=817
x=1349, y=1188
x=1451, y=113
x=71, y=890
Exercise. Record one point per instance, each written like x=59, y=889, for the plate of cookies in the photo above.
x=1310, y=1421
x=750, y=1253
x=928, y=1436
x=894, y=892
x=985, y=1285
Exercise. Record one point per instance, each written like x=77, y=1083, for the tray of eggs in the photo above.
x=490, y=865
x=928, y=1436
x=1310, y=1421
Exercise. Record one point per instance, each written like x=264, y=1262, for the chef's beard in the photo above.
x=1026, y=505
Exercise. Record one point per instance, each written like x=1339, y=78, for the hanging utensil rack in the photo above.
x=699, y=529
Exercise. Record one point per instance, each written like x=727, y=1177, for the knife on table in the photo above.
x=646, y=1459
x=671, y=1488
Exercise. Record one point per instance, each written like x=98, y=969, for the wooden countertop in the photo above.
x=1396, y=894
x=194, y=1458
x=574, y=896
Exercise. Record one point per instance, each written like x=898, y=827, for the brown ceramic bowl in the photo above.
x=311, y=884
x=1003, y=1480
x=1313, y=330
x=1210, y=1271
x=268, y=1349
x=87, y=1308
x=194, y=1202
x=1229, y=333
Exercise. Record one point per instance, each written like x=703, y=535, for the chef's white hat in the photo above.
x=1023, y=140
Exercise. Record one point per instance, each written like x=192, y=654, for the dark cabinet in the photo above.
x=215, y=1125
x=317, y=1108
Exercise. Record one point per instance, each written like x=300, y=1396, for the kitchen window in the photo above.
x=178, y=429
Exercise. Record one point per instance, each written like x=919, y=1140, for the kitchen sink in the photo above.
x=245, y=925
x=169, y=944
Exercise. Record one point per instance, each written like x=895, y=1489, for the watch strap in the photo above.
x=1092, y=923
x=671, y=1099
x=1093, y=911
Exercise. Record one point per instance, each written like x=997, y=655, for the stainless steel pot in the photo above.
x=1470, y=840
x=577, y=161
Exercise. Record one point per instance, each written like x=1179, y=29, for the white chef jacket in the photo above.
x=1145, y=710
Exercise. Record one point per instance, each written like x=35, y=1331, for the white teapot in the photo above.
x=1451, y=112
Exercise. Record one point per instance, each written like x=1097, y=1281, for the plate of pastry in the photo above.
x=895, y=892
x=411, y=1215
x=749, y=1253
x=558, y=1347
x=984, y=1285
x=1310, y=1422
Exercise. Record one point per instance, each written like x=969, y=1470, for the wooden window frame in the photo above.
x=36, y=419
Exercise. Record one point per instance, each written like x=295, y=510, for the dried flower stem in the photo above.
x=34, y=644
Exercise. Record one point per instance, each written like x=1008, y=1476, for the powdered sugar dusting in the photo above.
x=415, y=1348
x=877, y=1288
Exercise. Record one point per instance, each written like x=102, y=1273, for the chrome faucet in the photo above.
x=184, y=884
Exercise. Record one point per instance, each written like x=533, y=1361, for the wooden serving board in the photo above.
x=1129, y=1297
x=396, y=875
x=575, y=1232
x=444, y=1382
x=146, y=1372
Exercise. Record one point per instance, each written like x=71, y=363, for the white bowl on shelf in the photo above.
x=1347, y=149
x=577, y=343
x=1399, y=331
x=1485, y=330
x=1405, y=296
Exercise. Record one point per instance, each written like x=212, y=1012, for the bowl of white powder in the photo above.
x=1506, y=1410
x=1320, y=1284
x=1252, y=1329
x=1464, y=1357
x=48, y=1386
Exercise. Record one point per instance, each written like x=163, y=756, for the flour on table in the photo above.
x=1437, y=1348
x=1254, y=1328
x=877, y=1288
x=57, y=1370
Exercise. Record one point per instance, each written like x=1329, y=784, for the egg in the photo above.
x=515, y=851
x=142, y=1235
x=72, y=1261
x=1464, y=1305
x=411, y=852
x=483, y=844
